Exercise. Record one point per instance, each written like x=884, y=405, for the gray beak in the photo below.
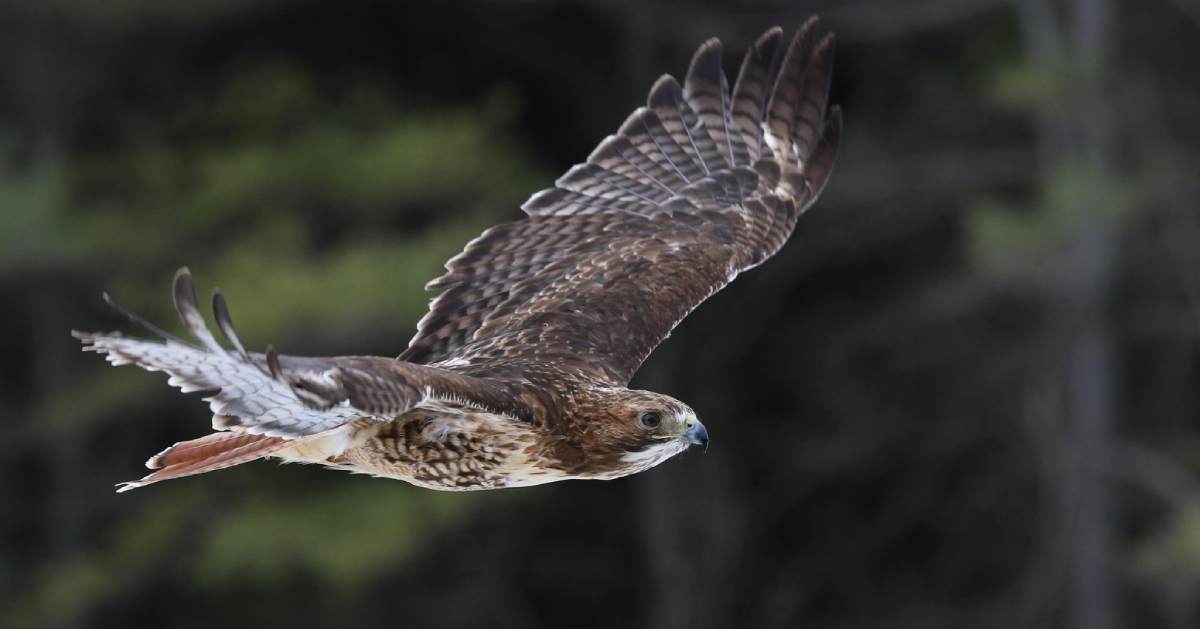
x=697, y=435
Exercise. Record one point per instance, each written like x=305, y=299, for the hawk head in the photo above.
x=628, y=431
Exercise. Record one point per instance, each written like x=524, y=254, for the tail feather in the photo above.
x=212, y=452
x=203, y=448
x=260, y=407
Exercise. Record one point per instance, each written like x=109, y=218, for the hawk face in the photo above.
x=629, y=431
x=673, y=421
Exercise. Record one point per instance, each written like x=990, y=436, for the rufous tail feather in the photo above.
x=211, y=452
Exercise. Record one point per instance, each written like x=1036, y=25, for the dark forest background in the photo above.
x=966, y=394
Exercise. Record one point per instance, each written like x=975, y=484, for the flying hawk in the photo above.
x=517, y=376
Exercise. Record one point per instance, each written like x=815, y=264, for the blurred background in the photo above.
x=966, y=394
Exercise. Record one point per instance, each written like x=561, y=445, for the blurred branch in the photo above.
x=1080, y=137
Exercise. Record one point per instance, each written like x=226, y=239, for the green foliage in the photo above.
x=1076, y=188
x=1007, y=238
x=268, y=147
x=31, y=204
x=288, y=198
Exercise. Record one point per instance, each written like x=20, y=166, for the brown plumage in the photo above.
x=517, y=375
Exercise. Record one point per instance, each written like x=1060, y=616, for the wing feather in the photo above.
x=695, y=187
x=788, y=92
x=594, y=180
x=753, y=88
x=678, y=119
x=290, y=396
x=707, y=93
x=617, y=154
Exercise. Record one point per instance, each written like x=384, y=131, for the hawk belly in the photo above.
x=450, y=449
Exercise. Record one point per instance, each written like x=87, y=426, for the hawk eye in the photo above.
x=651, y=419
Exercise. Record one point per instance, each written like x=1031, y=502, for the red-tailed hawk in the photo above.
x=518, y=374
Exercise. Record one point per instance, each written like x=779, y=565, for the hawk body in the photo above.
x=517, y=376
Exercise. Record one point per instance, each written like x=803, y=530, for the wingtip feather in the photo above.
x=134, y=317
x=189, y=310
x=273, y=365
x=705, y=53
x=768, y=38
x=225, y=323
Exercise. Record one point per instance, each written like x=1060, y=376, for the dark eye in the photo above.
x=650, y=419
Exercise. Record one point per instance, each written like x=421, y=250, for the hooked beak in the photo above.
x=697, y=435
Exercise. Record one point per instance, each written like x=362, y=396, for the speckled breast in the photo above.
x=451, y=450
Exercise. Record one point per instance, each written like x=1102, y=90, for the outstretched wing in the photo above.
x=289, y=396
x=696, y=187
x=271, y=402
